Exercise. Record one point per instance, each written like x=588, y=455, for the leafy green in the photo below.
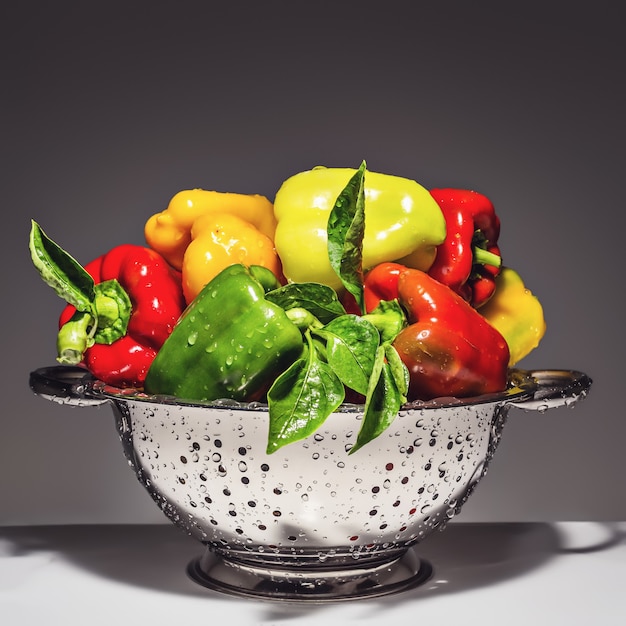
x=61, y=271
x=341, y=350
x=351, y=346
x=302, y=397
x=384, y=399
x=346, y=228
x=398, y=371
x=320, y=300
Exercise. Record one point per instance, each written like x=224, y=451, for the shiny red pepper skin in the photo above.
x=448, y=347
x=155, y=291
x=471, y=225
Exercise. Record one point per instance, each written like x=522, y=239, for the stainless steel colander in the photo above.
x=309, y=522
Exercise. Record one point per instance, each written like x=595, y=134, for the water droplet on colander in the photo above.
x=243, y=467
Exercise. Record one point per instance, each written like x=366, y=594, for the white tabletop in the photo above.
x=563, y=573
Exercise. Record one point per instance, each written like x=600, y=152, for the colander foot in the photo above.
x=308, y=583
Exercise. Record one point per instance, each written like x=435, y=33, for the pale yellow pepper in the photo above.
x=169, y=232
x=219, y=240
x=516, y=313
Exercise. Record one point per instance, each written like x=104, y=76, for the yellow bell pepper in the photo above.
x=219, y=240
x=169, y=232
x=516, y=313
x=402, y=222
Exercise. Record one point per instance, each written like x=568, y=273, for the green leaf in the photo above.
x=61, y=271
x=352, y=342
x=399, y=371
x=320, y=300
x=382, y=404
x=346, y=229
x=302, y=398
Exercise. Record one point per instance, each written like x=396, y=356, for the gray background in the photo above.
x=108, y=109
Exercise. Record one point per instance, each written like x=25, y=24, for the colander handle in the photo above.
x=65, y=385
x=556, y=388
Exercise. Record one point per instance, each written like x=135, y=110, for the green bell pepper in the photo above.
x=229, y=343
x=403, y=221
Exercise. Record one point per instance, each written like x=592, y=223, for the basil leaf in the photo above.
x=61, y=271
x=302, y=398
x=398, y=370
x=382, y=403
x=346, y=229
x=352, y=342
x=320, y=300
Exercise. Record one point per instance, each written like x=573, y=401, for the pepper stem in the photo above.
x=302, y=318
x=106, y=323
x=74, y=337
x=388, y=318
x=484, y=257
x=102, y=311
x=481, y=255
x=113, y=308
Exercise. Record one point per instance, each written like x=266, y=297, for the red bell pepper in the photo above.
x=448, y=347
x=155, y=294
x=469, y=259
